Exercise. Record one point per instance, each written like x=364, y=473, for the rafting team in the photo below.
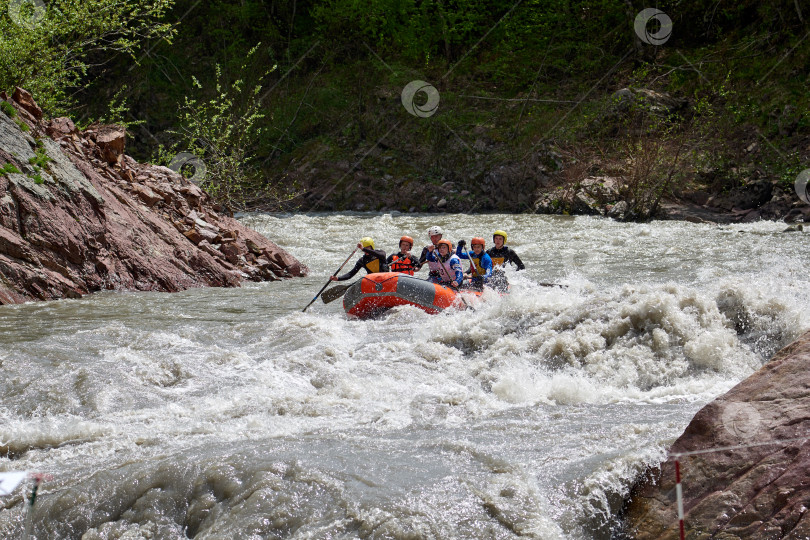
x=444, y=266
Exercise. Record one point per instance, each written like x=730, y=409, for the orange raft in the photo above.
x=376, y=293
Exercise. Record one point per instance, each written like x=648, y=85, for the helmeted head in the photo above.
x=445, y=247
x=408, y=241
x=435, y=234
x=479, y=243
x=499, y=237
x=367, y=241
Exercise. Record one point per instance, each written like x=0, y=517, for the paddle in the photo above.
x=330, y=281
x=474, y=266
x=470, y=271
x=446, y=272
x=335, y=292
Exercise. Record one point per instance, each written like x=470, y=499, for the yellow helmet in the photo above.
x=500, y=233
x=367, y=241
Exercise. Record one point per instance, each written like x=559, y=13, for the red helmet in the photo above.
x=406, y=239
x=478, y=240
x=447, y=243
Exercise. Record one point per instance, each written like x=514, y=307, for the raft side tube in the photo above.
x=376, y=293
x=379, y=292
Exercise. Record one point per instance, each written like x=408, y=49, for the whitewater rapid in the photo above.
x=228, y=413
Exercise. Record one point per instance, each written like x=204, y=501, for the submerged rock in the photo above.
x=751, y=490
x=80, y=216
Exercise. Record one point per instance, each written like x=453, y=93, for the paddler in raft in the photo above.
x=403, y=261
x=480, y=263
x=448, y=264
x=435, y=233
x=500, y=255
x=373, y=260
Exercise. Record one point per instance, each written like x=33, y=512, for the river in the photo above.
x=228, y=413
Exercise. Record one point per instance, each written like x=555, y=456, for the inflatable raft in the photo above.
x=376, y=293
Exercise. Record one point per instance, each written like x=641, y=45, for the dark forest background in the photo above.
x=296, y=104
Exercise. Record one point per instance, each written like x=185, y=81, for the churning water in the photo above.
x=218, y=413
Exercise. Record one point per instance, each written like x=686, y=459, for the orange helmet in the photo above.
x=478, y=240
x=406, y=239
x=447, y=243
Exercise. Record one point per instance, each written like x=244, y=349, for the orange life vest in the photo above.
x=402, y=264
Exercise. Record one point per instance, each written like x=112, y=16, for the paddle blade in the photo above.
x=334, y=293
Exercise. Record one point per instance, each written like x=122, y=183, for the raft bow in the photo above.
x=379, y=292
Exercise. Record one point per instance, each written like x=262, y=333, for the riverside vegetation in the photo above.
x=545, y=106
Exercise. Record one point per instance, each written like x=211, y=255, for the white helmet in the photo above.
x=435, y=230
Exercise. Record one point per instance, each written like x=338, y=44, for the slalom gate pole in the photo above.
x=679, y=496
x=29, y=515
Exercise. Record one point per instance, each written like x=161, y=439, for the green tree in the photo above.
x=49, y=50
x=222, y=130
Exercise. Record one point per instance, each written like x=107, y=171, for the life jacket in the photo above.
x=373, y=266
x=402, y=264
x=434, y=267
x=449, y=270
x=498, y=256
x=478, y=270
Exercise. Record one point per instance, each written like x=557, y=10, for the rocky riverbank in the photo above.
x=78, y=215
x=640, y=164
x=650, y=155
x=754, y=490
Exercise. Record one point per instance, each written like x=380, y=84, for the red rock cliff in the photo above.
x=81, y=216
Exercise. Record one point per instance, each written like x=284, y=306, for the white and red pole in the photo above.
x=679, y=496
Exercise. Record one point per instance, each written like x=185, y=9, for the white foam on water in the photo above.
x=530, y=414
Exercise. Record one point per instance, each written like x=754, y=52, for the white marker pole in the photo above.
x=29, y=516
x=679, y=496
